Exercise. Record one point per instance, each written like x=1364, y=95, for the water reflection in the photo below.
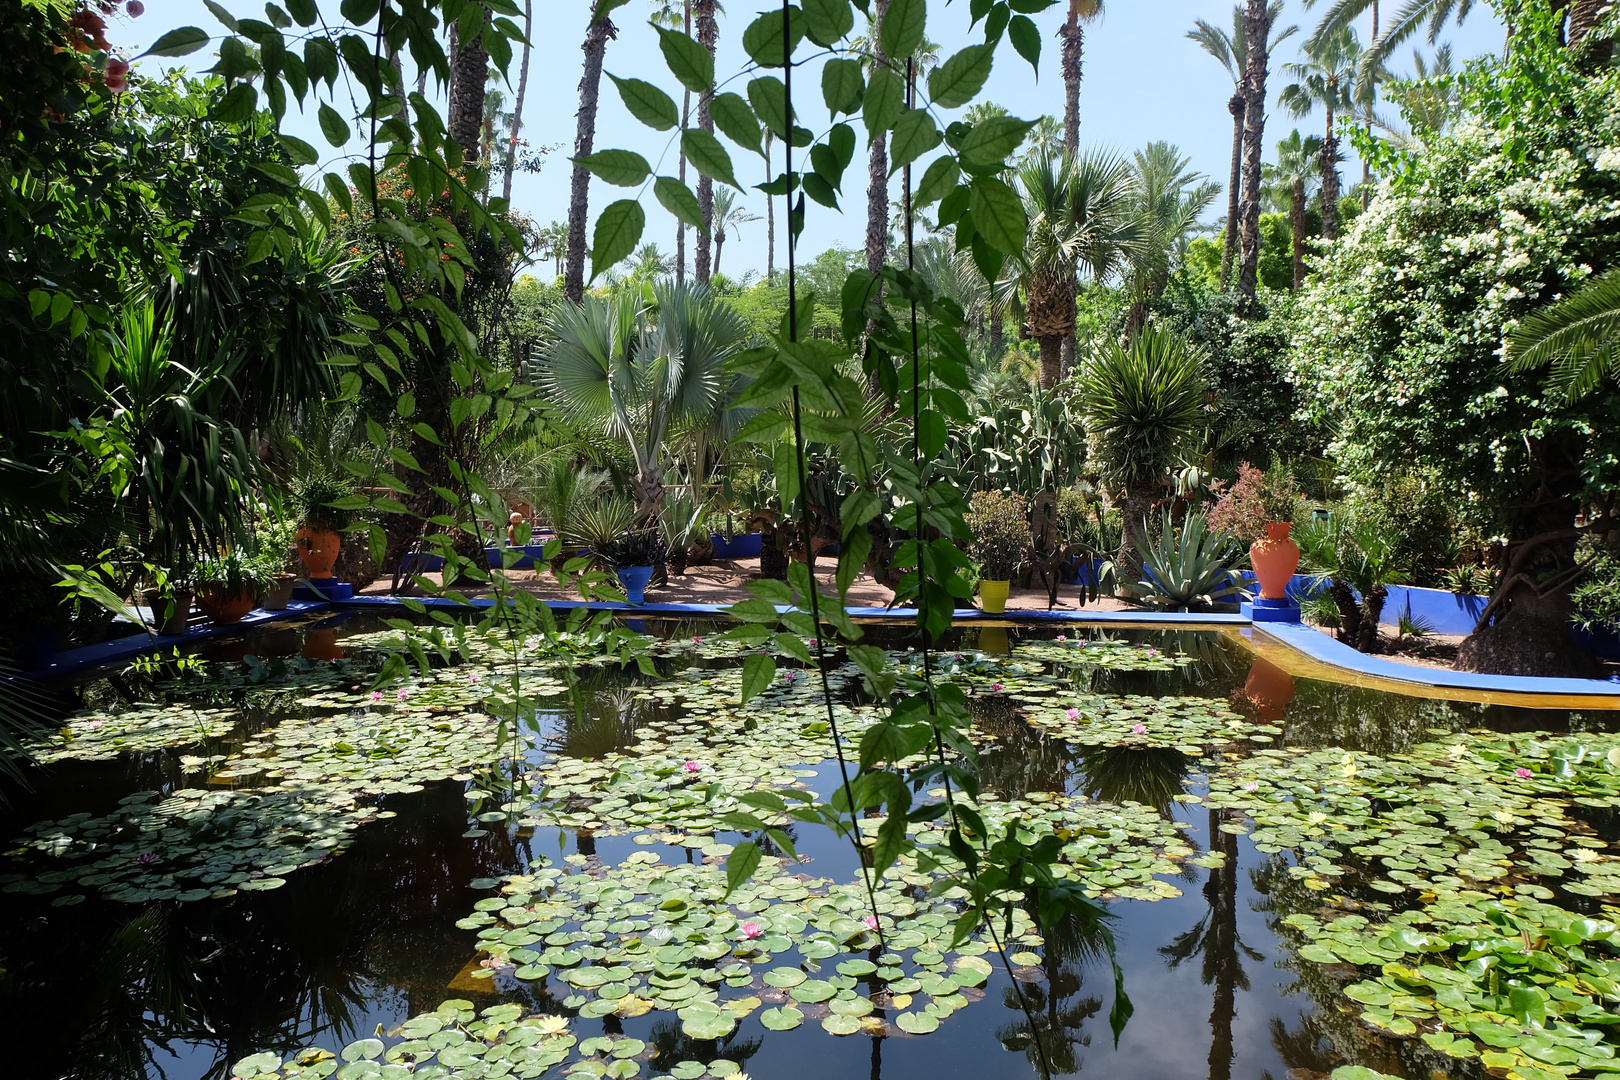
x=1048, y=998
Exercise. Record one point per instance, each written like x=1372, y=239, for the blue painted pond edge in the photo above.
x=1301, y=638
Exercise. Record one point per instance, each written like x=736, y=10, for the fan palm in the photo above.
x=1579, y=335
x=1295, y=173
x=1080, y=215
x=1329, y=77
x=1144, y=405
x=637, y=370
x=1231, y=48
x=1169, y=201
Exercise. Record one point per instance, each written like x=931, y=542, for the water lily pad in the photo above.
x=785, y=1018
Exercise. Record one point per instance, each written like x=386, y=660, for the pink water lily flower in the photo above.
x=697, y=641
x=1073, y=714
x=145, y=859
x=691, y=766
x=1251, y=786
x=403, y=694
x=1522, y=774
x=1062, y=637
x=995, y=688
x=473, y=677
x=93, y=725
x=376, y=695
x=870, y=922
x=1139, y=729
x=752, y=930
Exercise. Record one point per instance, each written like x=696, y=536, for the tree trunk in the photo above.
x=1344, y=598
x=1330, y=181
x=877, y=167
x=1073, y=44
x=596, y=39
x=1524, y=629
x=1132, y=537
x=1372, y=606
x=719, y=242
x=469, y=72
x=1257, y=27
x=1234, y=106
x=1297, y=221
x=996, y=332
x=686, y=115
x=517, y=109
x=770, y=220
x=1051, y=360
x=708, y=32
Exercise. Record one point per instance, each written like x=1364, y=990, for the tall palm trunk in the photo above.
x=1257, y=28
x=1235, y=106
x=1297, y=222
x=877, y=165
x=708, y=32
x=686, y=116
x=1330, y=177
x=1366, y=170
x=522, y=92
x=770, y=219
x=1132, y=537
x=1073, y=35
x=1051, y=360
x=719, y=242
x=596, y=39
x=469, y=71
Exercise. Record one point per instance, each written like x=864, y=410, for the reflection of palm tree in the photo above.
x=1214, y=938
x=673, y=1045
x=1150, y=775
x=1053, y=1021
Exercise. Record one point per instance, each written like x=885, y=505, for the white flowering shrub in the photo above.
x=1399, y=335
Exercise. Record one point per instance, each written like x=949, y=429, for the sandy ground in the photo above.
x=725, y=582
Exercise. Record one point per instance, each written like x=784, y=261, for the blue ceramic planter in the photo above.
x=634, y=579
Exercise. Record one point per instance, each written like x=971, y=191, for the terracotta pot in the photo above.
x=279, y=594
x=322, y=645
x=1275, y=558
x=175, y=624
x=319, y=550
x=1270, y=689
x=993, y=596
x=224, y=608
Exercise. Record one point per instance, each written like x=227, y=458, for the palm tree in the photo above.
x=1296, y=172
x=870, y=48
x=552, y=243
x=596, y=39
x=1408, y=21
x=1144, y=404
x=517, y=108
x=1169, y=201
x=1579, y=335
x=1328, y=77
x=648, y=263
x=1231, y=49
x=1427, y=101
x=1080, y=214
x=728, y=214
x=665, y=14
x=1046, y=137
x=770, y=217
x=637, y=374
x=1073, y=35
x=469, y=72
x=1257, y=19
x=708, y=34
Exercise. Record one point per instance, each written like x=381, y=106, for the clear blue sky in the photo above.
x=1143, y=81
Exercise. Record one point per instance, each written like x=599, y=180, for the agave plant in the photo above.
x=1188, y=566
x=597, y=525
x=681, y=524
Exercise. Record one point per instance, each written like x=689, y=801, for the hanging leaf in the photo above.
x=333, y=126
x=736, y=121
x=180, y=42
x=708, y=156
x=938, y=181
x=827, y=21
x=914, y=135
x=688, y=61
x=769, y=98
x=1026, y=38
x=647, y=103
x=842, y=86
x=758, y=672
x=618, y=231
x=786, y=462
x=992, y=141
x=762, y=40
x=959, y=79
x=237, y=106
x=903, y=28
x=622, y=168
x=678, y=199
x=885, y=98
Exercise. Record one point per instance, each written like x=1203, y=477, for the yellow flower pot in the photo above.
x=993, y=596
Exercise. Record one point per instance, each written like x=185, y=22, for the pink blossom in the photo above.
x=1139, y=729
x=1522, y=774
x=115, y=77
x=403, y=694
x=1062, y=637
x=752, y=930
x=376, y=695
x=1251, y=786
x=870, y=922
x=1073, y=714
x=814, y=641
x=473, y=677
x=788, y=676
x=146, y=859
x=697, y=641
x=286, y=678
x=995, y=688
x=691, y=766
x=93, y=725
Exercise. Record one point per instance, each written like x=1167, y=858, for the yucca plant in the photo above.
x=681, y=524
x=1187, y=566
x=597, y=525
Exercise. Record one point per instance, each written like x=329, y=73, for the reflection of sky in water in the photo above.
x=373, y=930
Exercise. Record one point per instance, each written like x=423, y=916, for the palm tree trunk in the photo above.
x=596, y=39
x=1073, y=43
x=708, y=32
x=1132, y=539
x=686, y=115
x=997, y=317
x=770, y=219
x=1051, y=360
x=1297, y=222
x=719, y=242
x=1257, y=27
x=877, y=166
x=469, y=72
x=1330, y=181
x=1235, y=107
x=517, y=109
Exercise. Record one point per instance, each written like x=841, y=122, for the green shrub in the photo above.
x=1000, y=526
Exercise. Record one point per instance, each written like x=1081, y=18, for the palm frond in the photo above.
x=1579, y=336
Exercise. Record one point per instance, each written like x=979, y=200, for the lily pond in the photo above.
x=252, y=864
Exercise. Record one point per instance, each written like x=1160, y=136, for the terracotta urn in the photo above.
x=1275, y=558
x=319, y=550
x=224, y=608
x=1269, y=688
x=322, y=644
